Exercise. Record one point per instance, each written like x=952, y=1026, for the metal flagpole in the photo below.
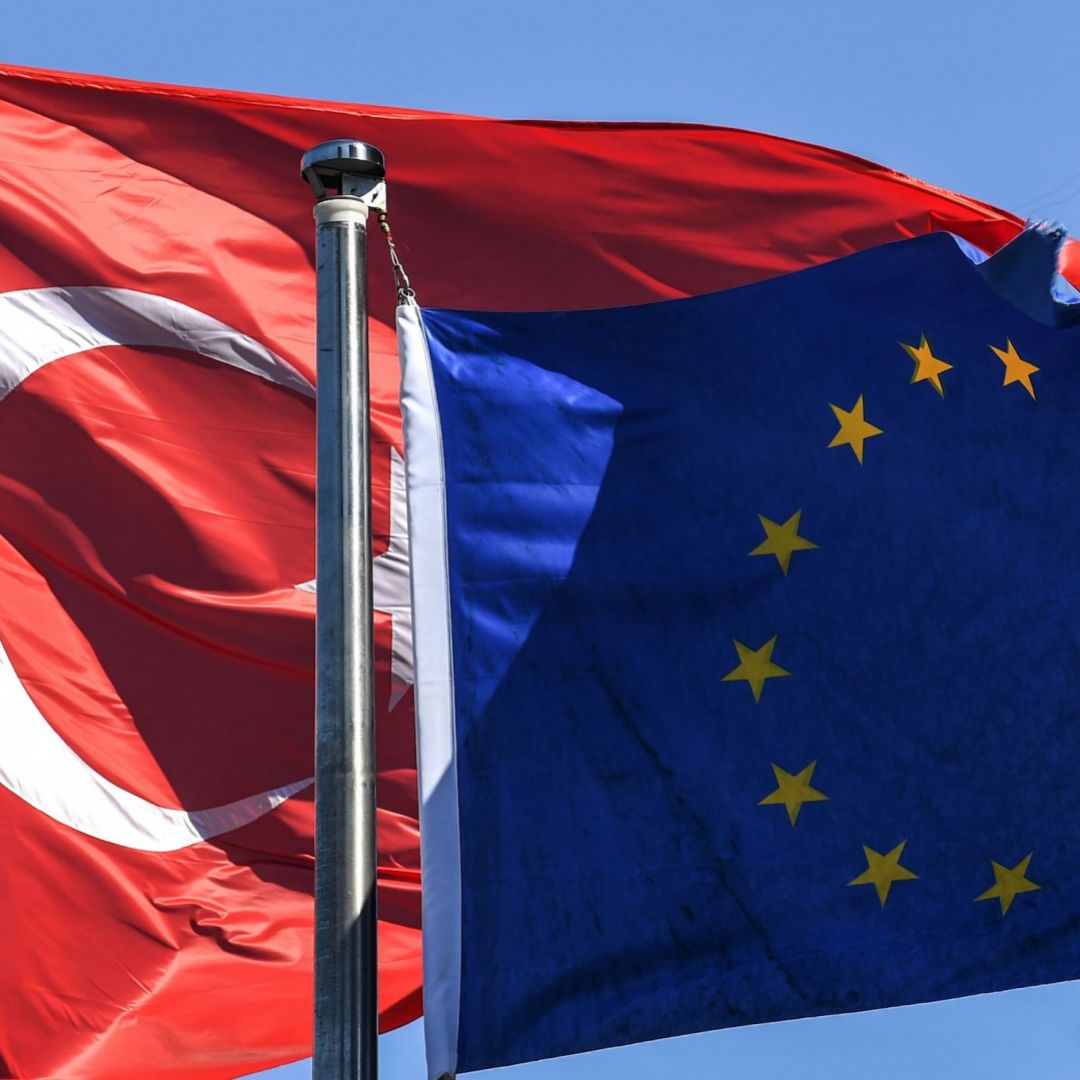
x=348, y=180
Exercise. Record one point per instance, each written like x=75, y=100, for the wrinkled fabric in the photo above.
x=156, y=507
x=762, y=626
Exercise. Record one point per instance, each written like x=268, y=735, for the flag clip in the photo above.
x=406, y=294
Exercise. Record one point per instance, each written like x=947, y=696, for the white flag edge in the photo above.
x=440, y=848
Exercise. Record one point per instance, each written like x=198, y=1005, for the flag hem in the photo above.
x=435, y=739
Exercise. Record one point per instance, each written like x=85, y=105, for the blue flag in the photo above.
x=748, y=651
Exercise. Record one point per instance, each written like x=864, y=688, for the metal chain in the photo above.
x=406, y=294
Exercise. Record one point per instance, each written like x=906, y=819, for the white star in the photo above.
x=390, y=584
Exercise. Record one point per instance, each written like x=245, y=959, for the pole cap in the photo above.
x=340, y=164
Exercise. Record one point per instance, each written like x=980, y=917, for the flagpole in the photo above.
x=348, y=180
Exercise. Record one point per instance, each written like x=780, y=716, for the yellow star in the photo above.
x=882, y=870
x=1007, y=883
x=1016, y=370
x=782, y=540
x=755, y=666
x=927, y=366
x=793, y=791
x=854, y=430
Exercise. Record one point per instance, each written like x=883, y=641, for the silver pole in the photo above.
x=347, y=178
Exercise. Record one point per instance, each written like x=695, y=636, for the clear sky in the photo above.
x=976, y=97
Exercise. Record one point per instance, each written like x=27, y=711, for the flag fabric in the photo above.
x=156, y=507
x=747, y=651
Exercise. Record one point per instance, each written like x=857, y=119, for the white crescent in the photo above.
x=38, y=326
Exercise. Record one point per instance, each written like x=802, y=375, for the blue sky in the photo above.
x=972, y=97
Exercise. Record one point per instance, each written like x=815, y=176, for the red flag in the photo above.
x=156, y=507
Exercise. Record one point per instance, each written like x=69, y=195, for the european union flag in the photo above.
x=748, y=649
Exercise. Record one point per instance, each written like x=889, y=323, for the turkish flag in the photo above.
x=157, y=496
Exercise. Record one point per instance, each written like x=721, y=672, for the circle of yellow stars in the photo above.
x=756, y=665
